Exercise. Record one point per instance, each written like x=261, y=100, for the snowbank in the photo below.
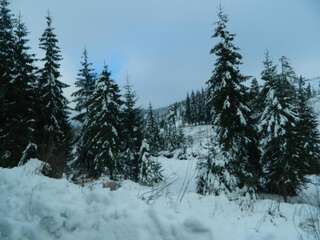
x=34, y=207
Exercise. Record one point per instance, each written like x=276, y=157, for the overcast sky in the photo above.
x=164, y=44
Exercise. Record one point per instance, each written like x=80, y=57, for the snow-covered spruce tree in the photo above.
x=131, y=135
x=6, y=73
x=150, y=172
x=23, y=92
x=255, y=103
x=269, y=72
x=280, y=149
x=101, y=129
x=85, y=87
x=85, y=84
x=53, y=128
x=234, y=159
x=16, y=89
x=307, y=131
x=152, y=132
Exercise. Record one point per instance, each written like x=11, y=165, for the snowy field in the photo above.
x=34, y=207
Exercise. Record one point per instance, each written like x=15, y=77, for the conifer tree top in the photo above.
x=49, y=43
x=85, y=83
x=225, y=50
x=6, y=27
x=4, y=11
x=270, y=70
x=130, y=96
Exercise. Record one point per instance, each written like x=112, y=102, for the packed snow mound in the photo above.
x=34, y=207
x=33, y=166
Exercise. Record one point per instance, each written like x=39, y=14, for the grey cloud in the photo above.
x=164, y=44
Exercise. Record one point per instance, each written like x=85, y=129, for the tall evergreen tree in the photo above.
x=6, y=86
x=255, y=101
x=308, y=134
x=280, y=150
x=54, y=131
x=132, y=134
x=152, y=132
x=85, y=84
x=17, y=88
x=234, y=159
x=101, y=130
x=24, y=87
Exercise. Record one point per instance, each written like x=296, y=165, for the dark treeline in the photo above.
x=34, y=112
x=35, y=121
x=197, y=109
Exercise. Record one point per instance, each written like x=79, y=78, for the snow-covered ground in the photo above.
x=34, y=207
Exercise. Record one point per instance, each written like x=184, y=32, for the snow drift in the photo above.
x=34, y=207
